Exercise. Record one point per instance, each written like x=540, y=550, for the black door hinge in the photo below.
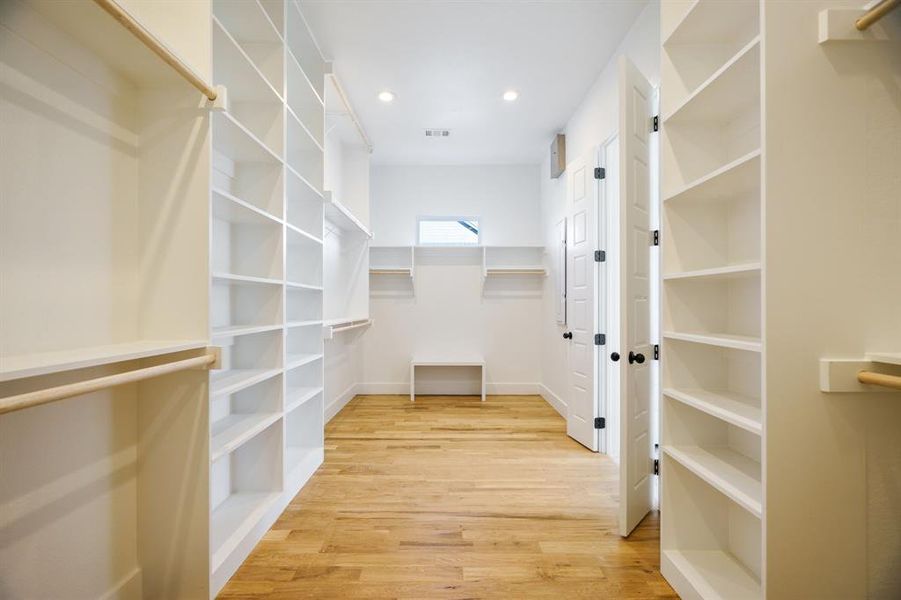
x=600, y=256
x=656, y=466
x=600, y=422
x=600, y=339
x=655, y=237
x=600, y=172
x=656, y=352
x=655, y=123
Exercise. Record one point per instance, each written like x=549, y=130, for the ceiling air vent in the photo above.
x=437, y=133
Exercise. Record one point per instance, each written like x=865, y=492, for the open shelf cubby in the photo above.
x=304, y=306
x=237, y=418
x=245, y=242
x=245, y=359
x=304, y=155
x=238, y=306
x=727, y=304
x=512, y=260
x=304, y=261
x=304, y=431
x=302, y=49
x=302, y=385
x=303, y=346
x=251, y=26
x=303, y=206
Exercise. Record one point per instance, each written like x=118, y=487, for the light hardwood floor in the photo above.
x=453, y=498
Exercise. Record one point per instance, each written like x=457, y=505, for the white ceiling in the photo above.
x=449, y=62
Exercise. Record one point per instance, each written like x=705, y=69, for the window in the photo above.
x=449, y=231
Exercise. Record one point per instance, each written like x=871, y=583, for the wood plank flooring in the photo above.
x=453, y=498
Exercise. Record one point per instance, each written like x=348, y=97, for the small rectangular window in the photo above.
x=449, y=231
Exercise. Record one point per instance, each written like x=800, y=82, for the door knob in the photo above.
x=615, y=357
x=568, y=335
x=635, y=358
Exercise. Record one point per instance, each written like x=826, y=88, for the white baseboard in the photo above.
x=127, y=588
x=448, y=388
x=335, y=406
x=553, y=399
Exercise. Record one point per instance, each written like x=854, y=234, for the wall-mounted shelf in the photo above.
x=841, y=375
x=330, y=328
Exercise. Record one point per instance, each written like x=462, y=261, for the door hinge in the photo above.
x=600, y=339
x=656, y=466
x=600, y=422
x=600, y=256
x=655, y=123
x=655, y=237
x=656, y=351
x=600, y=172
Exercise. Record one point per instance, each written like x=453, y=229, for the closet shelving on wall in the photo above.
x=712, y=405
x=513, y=260
x=346, y=212
x=266, y=307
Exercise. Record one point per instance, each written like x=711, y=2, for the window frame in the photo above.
x=422, y=218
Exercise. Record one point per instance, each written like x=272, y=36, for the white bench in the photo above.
x=431, y=361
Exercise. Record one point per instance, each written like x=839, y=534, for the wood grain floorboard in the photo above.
x=452, y=498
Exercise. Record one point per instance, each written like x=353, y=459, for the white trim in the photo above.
x=553, y=399
x=338, y=404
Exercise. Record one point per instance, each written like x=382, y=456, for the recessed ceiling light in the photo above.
x=386, y=96
x=511, y=95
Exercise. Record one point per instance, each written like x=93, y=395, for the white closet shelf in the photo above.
x=235, y=141
x=46, y=363
x=733, y=178
x=245, y=81
x=239, y=330
x=94, y=28
x=303, y=74
x=233, y=431
x=307, y=236
x=298, y=360
x=713, y=574
x=730, y=91
x=727, y=406
x=245, y=279
x=304, y=127
x=305, y=181
x=723, y=340
x=235, y=380
x=253, y=25
x=234, y=210
x=729, y=272
x=709, y=22
x=734, y=475
x=296, y=397
x=232, y=520
x=888, y=358
x=515, y=271
x=303, y=286
x=303, y=323
x=391, y=271
x=340, y=216
x=333, y=326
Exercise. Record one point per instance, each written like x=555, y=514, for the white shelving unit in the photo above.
x=712, y=407
x=266, y=301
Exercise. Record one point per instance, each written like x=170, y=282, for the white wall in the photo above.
x=448, y=311
x=504, y=197
x=592, y=123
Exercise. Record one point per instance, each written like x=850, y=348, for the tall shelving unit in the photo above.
x=712, y=406
x=266, y=405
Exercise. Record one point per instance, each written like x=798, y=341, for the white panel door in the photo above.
x=560, y=273
x=581, y=282
x=636, y=462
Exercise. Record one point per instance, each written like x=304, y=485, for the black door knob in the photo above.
x=635, y=358
x=568, y=335
x=614, y=357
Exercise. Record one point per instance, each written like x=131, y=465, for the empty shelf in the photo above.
x=728, y=406
x=338, y=214
x=235, y=380
x=232, y=520
x=713, y=22
x=734, y=178
x=728, y=272
x=234, y=210
x=237, y=142
x=299, y=360
x=231, y=432
x=889, y=358
x=712, y=574
x=723, y=340
x=515, y=271
x=733, y=474
x=32, y=365
x=303, y=286
x=391, y=271
x=236, y=330
x=245, y=279
x=296, y=397
x=306, y=235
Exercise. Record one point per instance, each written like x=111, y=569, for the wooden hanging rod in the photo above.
x=876, y=13
x=159, y=48
x=48, y=395
x=880, y=379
